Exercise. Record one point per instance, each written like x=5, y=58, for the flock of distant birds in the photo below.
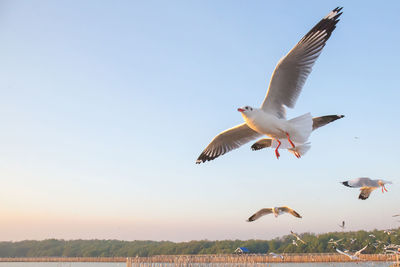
x=270, y=120
x=387, y=247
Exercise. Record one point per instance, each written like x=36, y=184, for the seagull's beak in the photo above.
x=240, y=109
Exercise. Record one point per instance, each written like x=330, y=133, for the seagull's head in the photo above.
x=247, y=111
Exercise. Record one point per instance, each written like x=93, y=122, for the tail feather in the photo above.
x=302, y=127
x=300, y=149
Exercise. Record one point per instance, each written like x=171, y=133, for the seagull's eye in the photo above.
x=247, y=108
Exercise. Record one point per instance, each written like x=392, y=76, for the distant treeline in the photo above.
x=115, y=248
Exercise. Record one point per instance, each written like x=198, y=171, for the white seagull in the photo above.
x=355, y=255
x=367, y=185
x=317, y=123
x=388, y=232
x=285, y=86
x=276, y=211
x=274, y=255
x=331, y=241
x=297, y=237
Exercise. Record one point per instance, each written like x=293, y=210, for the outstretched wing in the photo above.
x=297, y=237
x=292, y=70
x=289, y=210
x=324, y=120
x=259, y=214
x=226, y=141
x=365, y=192
x=344, y=253
x=361, y=250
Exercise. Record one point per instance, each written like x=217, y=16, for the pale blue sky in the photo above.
x=105, y=106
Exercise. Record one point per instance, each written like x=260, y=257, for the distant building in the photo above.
x=241, y=250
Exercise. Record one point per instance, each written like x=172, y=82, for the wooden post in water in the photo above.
x=128, y=262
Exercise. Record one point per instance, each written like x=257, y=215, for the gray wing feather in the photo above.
x=365, y=192
x=291, y=211
x=324, y=120
x=262, y=143
x=259, y=214
x=228, y=140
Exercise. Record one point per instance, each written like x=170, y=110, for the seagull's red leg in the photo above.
x=276, y=149
x=293, y=146
x=383, y=187
x=290, y=141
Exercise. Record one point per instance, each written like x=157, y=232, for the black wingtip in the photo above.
x=205, y=157
x=346, y=183
x=338, y=9
x=251, y=218
x=256, y=147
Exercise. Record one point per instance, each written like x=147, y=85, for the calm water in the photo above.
x=95, y=264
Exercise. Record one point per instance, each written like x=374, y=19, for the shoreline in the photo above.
x=220, y=258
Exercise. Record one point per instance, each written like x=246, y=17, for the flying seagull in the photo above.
x=285, y=86
x=297, y=237
x=396, y=215
x=331, y=241
x=276, y=211
x=388, y=232
x=342, y=225
x=317, y=123
x=367, y=185
x=274, y=255
x=355, y=255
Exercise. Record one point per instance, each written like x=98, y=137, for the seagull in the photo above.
x=392, y=251
x=371, y=235
x=317, y=123
x=367, y=185
x=352, y=240
x=342, y=225
x=388, y=232
x=331, y=241
x=355, y=255
x=396, y=215
x=376, y=245
x=274, y=255
x=285, y=86
x=390, y=246
x=276, y=211
x=297, y=237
